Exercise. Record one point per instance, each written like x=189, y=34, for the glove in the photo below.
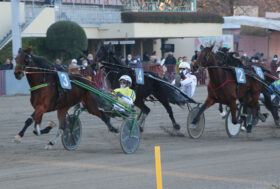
x=182, y=75
x=119, y=94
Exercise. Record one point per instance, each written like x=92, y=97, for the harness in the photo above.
x=220, y=86
x=38, y=87
x=44, y=71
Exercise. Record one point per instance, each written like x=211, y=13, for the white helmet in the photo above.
x=126, y=78
x=185, y=65
x=278, y=69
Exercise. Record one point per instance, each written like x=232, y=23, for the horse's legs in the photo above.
x=38, y=115
x=28, y=122
x=232, y=107
x=221, y=109
x=254, y=107
x=168, y=108
x=107, y=121
x=91, y=105
x=145, y=111
x=209, y=102
x=273, y=109
x=61, y=115
x=47, y=129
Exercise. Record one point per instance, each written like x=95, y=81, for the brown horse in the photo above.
x=223, y=88
x=47, y=94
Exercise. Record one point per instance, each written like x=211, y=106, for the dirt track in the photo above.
x=213, y=161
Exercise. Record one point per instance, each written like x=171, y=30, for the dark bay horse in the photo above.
x=227, y=59
x=223, y=88
x=47, y=94
x=152, y=85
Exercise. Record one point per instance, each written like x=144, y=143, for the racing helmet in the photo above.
x=185, y=65
x=126, y=78
x=278, y=69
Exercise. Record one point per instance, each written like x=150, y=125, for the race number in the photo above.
x=64, y=80
x=259, y=71
x=240, y=75
x=139, y=76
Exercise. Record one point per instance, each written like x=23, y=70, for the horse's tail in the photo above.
x=173, y=94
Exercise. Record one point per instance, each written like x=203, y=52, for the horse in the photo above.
x=223, y=88
x=229, y=60
x=153, y=85
x=47, y=94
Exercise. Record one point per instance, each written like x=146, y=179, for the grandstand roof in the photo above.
x=234, y=22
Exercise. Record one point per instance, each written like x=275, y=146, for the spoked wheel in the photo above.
x=72, y=133
x=232, y=130
x=129, y=139
x=200, y=125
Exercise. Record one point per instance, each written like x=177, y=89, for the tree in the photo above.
x=38, y=48
x=66, y=40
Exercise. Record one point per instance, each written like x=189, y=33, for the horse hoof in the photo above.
x=37, y=130
x=223, y=114
x=114, y=130
x=17, y=139
x=176, y=126
x=35, y=133
x=51, y=124
x=243, y=128
x=251, y=137
x=48, y=147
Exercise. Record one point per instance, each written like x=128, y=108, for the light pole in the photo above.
x=16, y=28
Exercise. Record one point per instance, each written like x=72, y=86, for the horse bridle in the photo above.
x=27, y=60
x=206, y=58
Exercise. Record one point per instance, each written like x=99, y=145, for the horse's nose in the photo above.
x=18, y=74
x=195, y=68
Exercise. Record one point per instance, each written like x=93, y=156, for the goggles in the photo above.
x=123, y=82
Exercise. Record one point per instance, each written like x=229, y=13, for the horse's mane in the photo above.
x=228, y=58
x=41, y=62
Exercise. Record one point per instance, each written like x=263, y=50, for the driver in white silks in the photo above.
x=188, y=81
x=126, y=96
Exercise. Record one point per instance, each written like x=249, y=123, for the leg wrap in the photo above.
x=28, y=122
x=46, y=130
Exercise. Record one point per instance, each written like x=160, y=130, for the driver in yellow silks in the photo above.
x=125, y=95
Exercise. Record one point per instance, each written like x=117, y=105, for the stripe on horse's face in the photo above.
x=20, y=64
x=204, y=56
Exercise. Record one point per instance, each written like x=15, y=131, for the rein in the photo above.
x=38, y=72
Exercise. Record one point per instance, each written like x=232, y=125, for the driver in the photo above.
x=125, y=95
x=188, y=81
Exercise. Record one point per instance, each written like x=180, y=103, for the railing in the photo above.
x=141, y=6
x=2, y=83
x=166, y=72
x=8, y=37
x=93, y=2
x=88, y=15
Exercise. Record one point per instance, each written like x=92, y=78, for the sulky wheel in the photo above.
x=129, y=141
x=72, y=133
x=232, y=130
x=198, y=130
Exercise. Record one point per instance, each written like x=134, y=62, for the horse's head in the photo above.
x=104, y=53
x=205, y=57
x=23, y=59
x=101, y=53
